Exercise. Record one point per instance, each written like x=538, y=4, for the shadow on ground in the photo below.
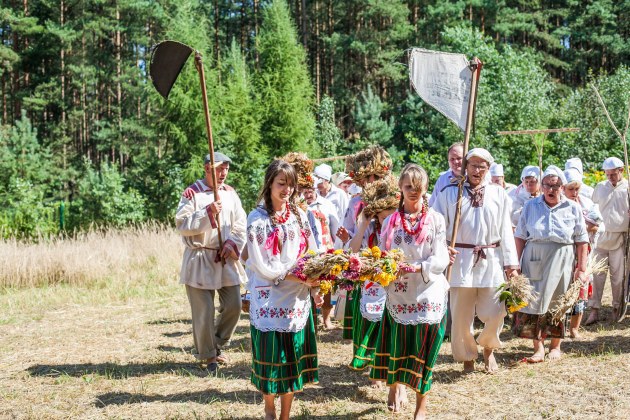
x=123, y=371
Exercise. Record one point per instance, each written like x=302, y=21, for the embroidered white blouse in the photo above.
x=284, y=307
x=418, y=298
x=373, y=295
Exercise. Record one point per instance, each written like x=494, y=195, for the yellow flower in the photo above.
x=325, y=287
x=338, y=251
x=311, y=252
x=376, y=252
x=393, y=265
x=364, y=277
x=366, y=253
x=336, y=270
x=346, y=265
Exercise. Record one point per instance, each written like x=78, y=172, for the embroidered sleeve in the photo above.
x=437, y=262
x=268, y=267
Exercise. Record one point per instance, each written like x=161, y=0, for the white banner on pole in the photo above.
x=443, y=81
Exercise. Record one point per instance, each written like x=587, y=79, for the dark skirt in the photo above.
x=284, y=362
x=536, y=327
x=352, y=296
x=406, y=354
x=364, y=335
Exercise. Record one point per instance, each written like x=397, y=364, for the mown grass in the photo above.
x=118, y=346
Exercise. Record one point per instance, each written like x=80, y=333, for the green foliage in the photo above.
x=327, y=134
x=285, y=92
x=25, y=214
x=103, y=199
x=239, y=136
x=368, y=116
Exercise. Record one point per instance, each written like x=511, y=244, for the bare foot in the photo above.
x=489, y=361
x=575, y=333
x=270, y=416
x=397, y=398
x=469, y=366
x=535, y=359
x=328, y=325
x=376, y=384
x=554, y=354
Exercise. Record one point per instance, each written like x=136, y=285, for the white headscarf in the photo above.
x=553, y=170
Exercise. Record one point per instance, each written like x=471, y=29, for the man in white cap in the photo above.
x=576, y=163
x=342, y=181
x=485, y=251
x=498, y=177
x=323, y=175
x=529, y=188
x=206, y=270
x=455, y=157
x=612, y=197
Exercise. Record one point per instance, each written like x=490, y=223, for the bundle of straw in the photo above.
x=569, y=298
x=517, y=292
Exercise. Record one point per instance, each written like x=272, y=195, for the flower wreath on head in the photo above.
x=303, y=167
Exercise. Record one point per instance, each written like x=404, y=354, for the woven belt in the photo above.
x=478, y=250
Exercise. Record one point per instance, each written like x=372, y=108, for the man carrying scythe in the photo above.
x=209, y=212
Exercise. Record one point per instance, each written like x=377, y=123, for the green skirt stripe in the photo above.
x=348, y=314
x=407, y=353
x=284, y=362
x=364, y=337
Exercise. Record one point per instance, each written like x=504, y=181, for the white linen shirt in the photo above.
x=443, y=180
x=484, y=225
x=613, y=204
x=284, y=307
x=328, y=210
x=418, y=298
x=339, y=198
x=563, y=223
x=192, y=221
x=519, y=196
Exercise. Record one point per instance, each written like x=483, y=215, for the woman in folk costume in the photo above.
x=284, y=353
x=381, y=199
x=594, y=227
x=364, y=168
x=550, y=236
x=413, y=326
x=321, y=214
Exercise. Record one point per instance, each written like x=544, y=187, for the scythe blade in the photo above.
x=167, y=61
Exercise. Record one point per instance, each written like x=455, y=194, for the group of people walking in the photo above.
x=547, y=227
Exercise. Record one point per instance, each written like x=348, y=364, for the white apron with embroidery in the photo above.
x=373, y=298
x=418, y=298
x=284, y=307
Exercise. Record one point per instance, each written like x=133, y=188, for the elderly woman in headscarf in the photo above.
x=550, y=235
x=529, y=189
x=594, y=227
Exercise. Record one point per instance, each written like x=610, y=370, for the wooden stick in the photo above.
x=541, y=131
x=202, y=80
x=328, y=159
x=475, y=66
x=601, y=101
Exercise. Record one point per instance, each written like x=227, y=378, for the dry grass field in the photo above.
x=110, y=338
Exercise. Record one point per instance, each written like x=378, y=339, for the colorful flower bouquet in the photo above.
x=342, y=269
x=516, y=293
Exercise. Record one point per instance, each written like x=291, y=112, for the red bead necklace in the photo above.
x=278, y=220
x=409, y=230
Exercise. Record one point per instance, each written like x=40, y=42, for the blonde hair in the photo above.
x=417, y=176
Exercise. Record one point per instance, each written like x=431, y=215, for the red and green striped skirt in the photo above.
x=406, y=354
x=364, y=335
x=352, y=297
x=284, y=362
